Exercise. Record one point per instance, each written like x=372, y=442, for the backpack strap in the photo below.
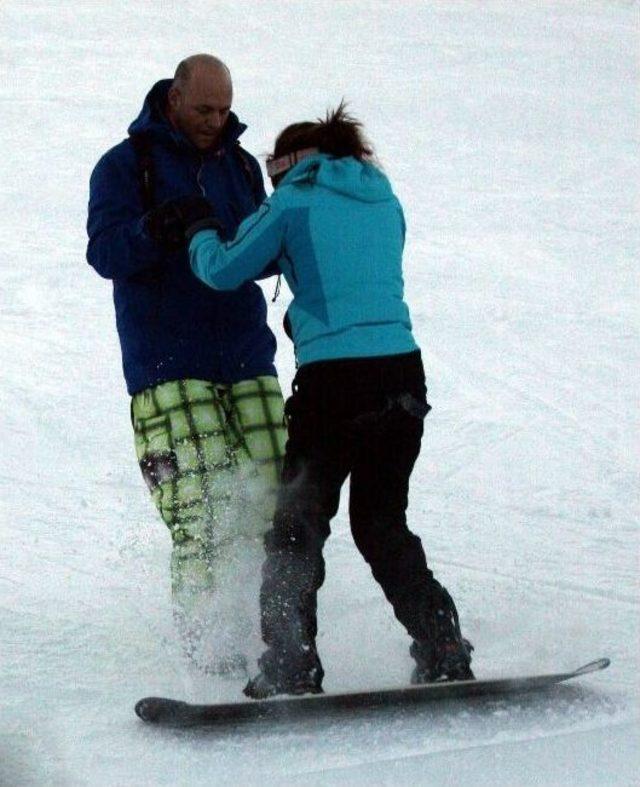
x=248, y=170
x=146, y=172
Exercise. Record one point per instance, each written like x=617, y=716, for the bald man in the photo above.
x=206, y=406
x=199, y=100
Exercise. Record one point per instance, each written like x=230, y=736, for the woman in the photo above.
x=336, y=231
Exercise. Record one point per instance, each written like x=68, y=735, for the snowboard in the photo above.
x=175, y=713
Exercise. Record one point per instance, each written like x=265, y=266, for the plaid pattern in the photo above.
x=211, y=455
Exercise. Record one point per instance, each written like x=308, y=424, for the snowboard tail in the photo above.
x=175, y=713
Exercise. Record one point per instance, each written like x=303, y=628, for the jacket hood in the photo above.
x=153, y=119
x=349, y=176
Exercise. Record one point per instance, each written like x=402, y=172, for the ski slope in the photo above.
x=510, y=133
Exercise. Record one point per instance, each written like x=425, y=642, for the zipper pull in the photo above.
x=198, y=177
x=277, y=290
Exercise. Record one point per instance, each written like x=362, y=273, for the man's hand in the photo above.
x=168, y=224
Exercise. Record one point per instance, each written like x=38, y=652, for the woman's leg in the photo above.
x=386, y=446
x=316, y=465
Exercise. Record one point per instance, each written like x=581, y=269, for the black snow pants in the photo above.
x=357, y=417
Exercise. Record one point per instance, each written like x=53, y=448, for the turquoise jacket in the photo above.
x=336, y=231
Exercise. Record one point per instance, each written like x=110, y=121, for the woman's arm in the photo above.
x=257, y=243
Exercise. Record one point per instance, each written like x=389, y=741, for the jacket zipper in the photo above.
x=198, y=177
x=218, y=327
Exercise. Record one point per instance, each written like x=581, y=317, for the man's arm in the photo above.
x=257, y=244
x=254, y=174
x=118, y=243
x=259, y=193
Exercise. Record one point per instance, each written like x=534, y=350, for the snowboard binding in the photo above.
x=444, y=654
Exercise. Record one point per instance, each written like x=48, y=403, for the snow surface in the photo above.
x=510, y=132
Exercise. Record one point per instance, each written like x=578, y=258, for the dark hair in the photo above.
x=339, y=135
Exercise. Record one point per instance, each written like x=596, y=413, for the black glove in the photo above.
x=206, y=223
x=168, y=223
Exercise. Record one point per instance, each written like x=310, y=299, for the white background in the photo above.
x=510, y=133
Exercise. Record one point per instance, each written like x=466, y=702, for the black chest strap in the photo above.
x=146, y=172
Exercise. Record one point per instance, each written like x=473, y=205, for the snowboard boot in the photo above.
x=444, y=655
x=273, y=678
x=262, y=686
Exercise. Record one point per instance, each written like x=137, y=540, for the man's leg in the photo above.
x=187, y=458
x=256, y=414
x=254, y=419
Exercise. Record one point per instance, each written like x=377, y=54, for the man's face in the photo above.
x=201, y=107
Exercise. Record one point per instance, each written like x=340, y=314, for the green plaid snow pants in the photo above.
x=211, y=456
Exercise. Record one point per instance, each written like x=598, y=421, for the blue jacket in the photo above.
x=337, y=232
x=170, y=325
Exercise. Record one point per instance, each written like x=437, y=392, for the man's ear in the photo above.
x=174, y=97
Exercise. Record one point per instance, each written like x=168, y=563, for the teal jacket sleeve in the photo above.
x=403, y=223
x=257, y=244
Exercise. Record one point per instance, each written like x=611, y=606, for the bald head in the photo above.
x=206, y=65
x=199, y=99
